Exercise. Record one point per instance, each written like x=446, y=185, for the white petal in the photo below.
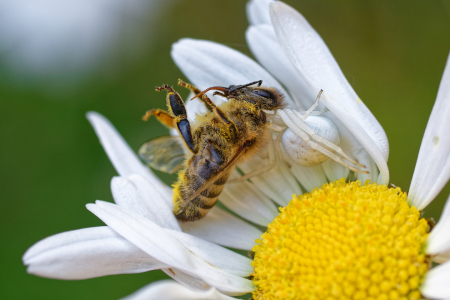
x=334, y=171
x=258, y=11
x=245, y=200
x=309, y=54
x=159, y=243
x=87, y=253
x=442, y=257
x=366, y=159
x=216, y=255
x=150, y=235
x=209, y=64
x=189, y=281
x=95, y=252
x=170, y=290
x=435, y=285
x=121, y=155
x=313, y=61
x=265, y=47
x=221, y=227
x=432, y=170
x=278, y=184
x=359, y=143
x=439, y=238
x=309, y=177
x=137, y=194
x=194, y=107
x=192, y=282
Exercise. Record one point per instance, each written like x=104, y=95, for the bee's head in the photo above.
x=267, y=98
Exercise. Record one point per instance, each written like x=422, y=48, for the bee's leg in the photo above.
x=189, y=86
x=266, y=168
x=163, y=116
x=178, y=111
x=209, y=104
x=222, y=116
x=219, y=94
x=194, y=90
x=212, y=107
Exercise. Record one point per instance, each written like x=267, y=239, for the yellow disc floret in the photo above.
x=343, y=241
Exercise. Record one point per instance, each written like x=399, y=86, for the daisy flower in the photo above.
x=142, y=233
x=353, y=241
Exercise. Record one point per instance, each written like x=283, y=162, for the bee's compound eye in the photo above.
x=264, y=94
x=267, y=94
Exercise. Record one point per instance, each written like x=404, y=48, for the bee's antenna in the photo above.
x=218, y=88
x=227, y=90
x=259, y=82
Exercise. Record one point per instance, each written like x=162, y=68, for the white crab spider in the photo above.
x=309, y=139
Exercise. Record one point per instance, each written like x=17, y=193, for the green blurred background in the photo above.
x=392, y=52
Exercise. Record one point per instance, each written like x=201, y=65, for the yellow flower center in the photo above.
x=343, y=241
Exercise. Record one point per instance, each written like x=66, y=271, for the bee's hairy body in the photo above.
x=219, y=139
x=216, y=147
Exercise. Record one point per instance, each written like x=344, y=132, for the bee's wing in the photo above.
x=164, y=153
x=226, y=168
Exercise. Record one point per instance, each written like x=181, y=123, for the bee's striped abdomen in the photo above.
x=190, y=180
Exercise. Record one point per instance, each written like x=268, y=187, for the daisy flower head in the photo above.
x=142, y=234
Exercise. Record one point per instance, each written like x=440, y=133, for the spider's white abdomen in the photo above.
x=303, y=154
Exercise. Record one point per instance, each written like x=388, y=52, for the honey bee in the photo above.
x=218, y=140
